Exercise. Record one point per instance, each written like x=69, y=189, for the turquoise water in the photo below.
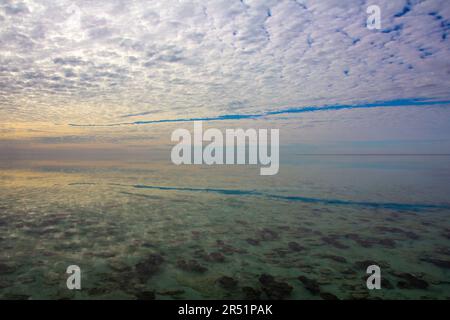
x=155, y=230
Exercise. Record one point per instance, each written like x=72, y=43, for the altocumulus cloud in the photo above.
x=99, y=61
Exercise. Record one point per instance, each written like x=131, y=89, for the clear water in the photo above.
x=130, y=225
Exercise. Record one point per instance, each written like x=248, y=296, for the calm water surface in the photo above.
x=140, y=230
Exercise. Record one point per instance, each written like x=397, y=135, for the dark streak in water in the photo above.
x=237, y=192
x=387, y=205
x=141, y=195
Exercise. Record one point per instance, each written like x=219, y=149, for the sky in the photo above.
x=100, y=73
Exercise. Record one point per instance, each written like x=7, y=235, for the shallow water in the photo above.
x=140, y=230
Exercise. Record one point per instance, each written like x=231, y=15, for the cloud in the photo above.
x=15, y=8
x=379, y=104
x=145, y=113
x=78, y=61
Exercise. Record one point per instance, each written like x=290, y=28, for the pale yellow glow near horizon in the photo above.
x=24, y=130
